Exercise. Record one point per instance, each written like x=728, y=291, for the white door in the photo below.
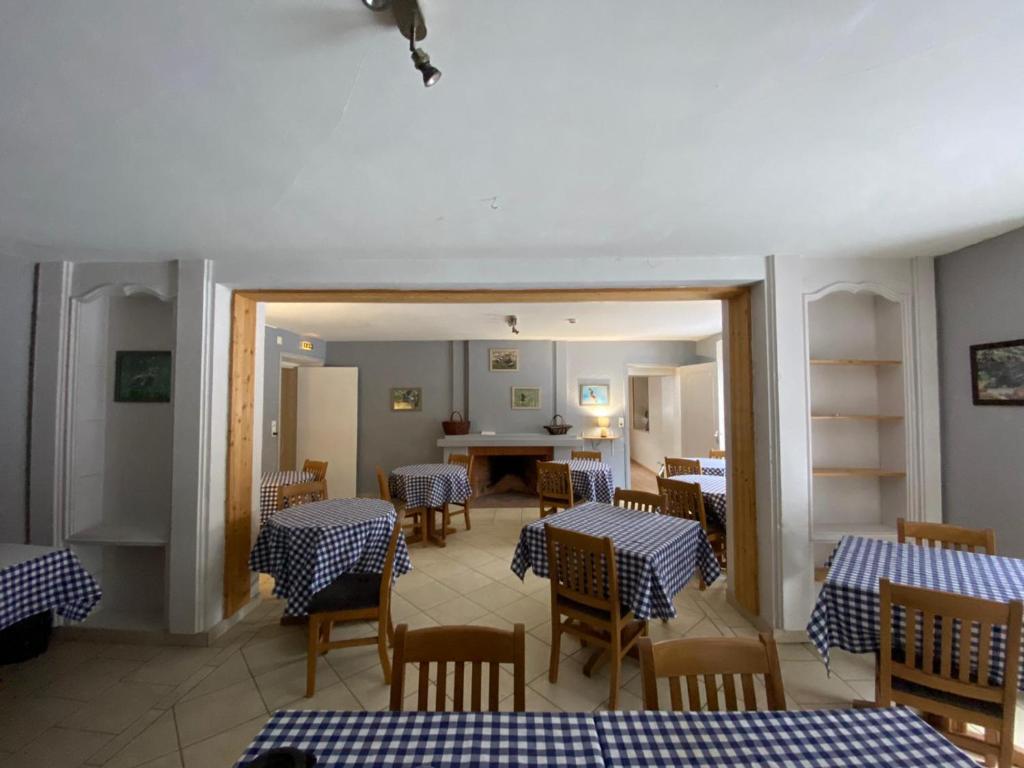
x=698, y=394
x=325, y=424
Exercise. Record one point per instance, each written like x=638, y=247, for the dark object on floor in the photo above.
x=26, y=639
x=283, y=757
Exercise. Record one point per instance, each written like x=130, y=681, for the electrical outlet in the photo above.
x=273, y=427
x=622, y=422
x=280, y=340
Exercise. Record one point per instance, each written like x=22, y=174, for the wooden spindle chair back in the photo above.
x=415, y=517
x=714, y=453
x=675, y=467
x=716, y=662
x=297, y=494
x=682, y=499
x=554, y=486
x=590, y=455
x=462, y=647
x=642, y=501
x=316, y=468
x=947, y=536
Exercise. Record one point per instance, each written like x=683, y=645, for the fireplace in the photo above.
x=501, y=470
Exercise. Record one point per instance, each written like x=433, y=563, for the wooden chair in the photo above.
x=947, y=536
x=554, y=486
x=466, y=461
x=585, y=589
x=300, y=493
x=675, y=467
x=353, y=597
x=714, y=453
x=939, y=681
x=460, y=645
x=716, y=660
x=641, y=501
x=318, y=469
x=415, y=516
x=686, y=500
x=592, y=455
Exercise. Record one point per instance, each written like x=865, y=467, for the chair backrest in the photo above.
x=943, y=626
x=682, y=499
x=300, y=493
x=638, y=500
x=675, y=467
x=592, y=455
x=460, y=645
x=317, y=468
x=382, y=485
x=554, y=481
x=947, y=536
x=462, y=459
x=387, y=574
x=582, y=569
x=717, y=661
x=714, y=453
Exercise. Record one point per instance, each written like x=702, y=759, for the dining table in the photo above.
x=592, y=480
x=308, y=546
x=709, y=466
x=713, y=489
x=846, y=614
x=655, y=555
x=271, y=481
x=894, y=737
x=430, y=487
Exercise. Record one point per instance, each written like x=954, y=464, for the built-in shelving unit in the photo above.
x=858, y=444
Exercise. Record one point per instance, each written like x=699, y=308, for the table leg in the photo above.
x=432, y=534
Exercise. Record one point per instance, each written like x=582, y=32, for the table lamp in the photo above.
x=603, y=422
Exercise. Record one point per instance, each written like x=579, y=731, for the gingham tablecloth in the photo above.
x=307, y=547
x=54, y=580
x=591, y=480
x=269, y=484
x=710, y=466
x=713, y=489
x=892, y=737
x=655, y=554
x=847, y=612
x=430, y=485
x=436, y=739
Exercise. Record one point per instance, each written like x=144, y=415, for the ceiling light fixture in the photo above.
x=410, y=22
x=377, y=5
x=420, y=59
x=510, y=321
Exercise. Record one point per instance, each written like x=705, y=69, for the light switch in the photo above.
x=280, y=340
x=273, y=427
x=622, y=422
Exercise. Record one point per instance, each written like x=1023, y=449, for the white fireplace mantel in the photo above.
x=511, y=439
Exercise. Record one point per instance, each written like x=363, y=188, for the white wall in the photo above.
x=650, y=448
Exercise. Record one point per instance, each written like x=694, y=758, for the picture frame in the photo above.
x=142, y=376
x=503, y=360
x=594, y=394
x=525, y=398
x=997, y=373
x=406, y=399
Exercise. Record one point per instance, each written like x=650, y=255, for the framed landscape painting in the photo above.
x=593, y=394
x=504, y=359
x=406, y=398
x=525, y=398
x=142, y=377
x=997, y=373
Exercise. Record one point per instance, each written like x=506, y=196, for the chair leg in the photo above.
x=312, y=654
x=382, y=649
x=469, y=525
x=390, y=629
x=556, y=647
x=615, y=658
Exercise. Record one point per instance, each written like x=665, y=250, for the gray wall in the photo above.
x=392, y=438
x=490, y=393
x=272, y=353
x=980, y=296
x=16, y=279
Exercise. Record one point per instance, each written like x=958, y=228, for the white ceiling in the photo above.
x=144, y=129
x=595, y=321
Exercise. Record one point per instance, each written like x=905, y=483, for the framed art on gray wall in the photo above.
x=406, y=398
x=142, y=377
x=525, y=398
x=503, y=359
x=997, y=373
x=594, y=394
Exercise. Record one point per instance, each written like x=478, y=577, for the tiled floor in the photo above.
x=121, y=706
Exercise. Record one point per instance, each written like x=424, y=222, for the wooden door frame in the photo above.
x=738, y=348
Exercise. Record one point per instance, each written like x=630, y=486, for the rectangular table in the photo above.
x=656, y=555
x=847, y=612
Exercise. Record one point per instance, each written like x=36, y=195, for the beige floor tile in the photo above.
x=118, y=707
x=26, y=719
x=128, y=651
x=172, y=760
x=283, y=685
x=806, y=682
x=852, y=666
x=465, y=582
x=61, y=748
x=173, y=665
x=534, y=703
x=159, y=739
x=412, y=580
x=573, y=692
x=122, y=739
x=797, y=651
x=232, y=670
x=217, y=712
x=528, y=611
x=430, y=595
x=494, y=596
x=224, y=748
x=458, y=611
x=496, y=569
x=347, y=662
x=707, y=628
x=265, y=655
x=337, y=697
x=91, y=679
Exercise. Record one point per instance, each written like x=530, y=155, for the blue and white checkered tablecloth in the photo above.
x=436, y=739
x=430, y=485
x=591, y=480
x=655, y=554
x=713, y=489
x=269, y=484
x=847, y=612
x=709, y=466
x=55, y=581
x=894, y=737
x=307, y=547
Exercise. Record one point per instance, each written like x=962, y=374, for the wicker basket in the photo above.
x=557, y=425
x=455, y=426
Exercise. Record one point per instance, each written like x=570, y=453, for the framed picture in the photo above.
x=593, y=394
x=406, y=398
x=525, y=398
x=997, y=373
x=504, y=359
x=142, y=377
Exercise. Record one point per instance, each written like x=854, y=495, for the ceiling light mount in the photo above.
x=511, y=321
x=409, y=20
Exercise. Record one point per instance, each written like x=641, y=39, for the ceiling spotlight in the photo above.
x=511, y=321
x=377, y=5
x=420, y=59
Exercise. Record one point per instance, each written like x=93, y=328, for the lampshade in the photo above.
x=603, y=421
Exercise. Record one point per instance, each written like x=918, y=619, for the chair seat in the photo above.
x=349, y=591
x=597, y=613
x=992, y=709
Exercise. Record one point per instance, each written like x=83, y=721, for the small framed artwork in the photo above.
x=142, y=377
x=406, y=398
x=504, y=359
x=997, y=373
x=593, y=394
x=525, y=398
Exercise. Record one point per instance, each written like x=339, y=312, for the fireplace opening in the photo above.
x=507, y=477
